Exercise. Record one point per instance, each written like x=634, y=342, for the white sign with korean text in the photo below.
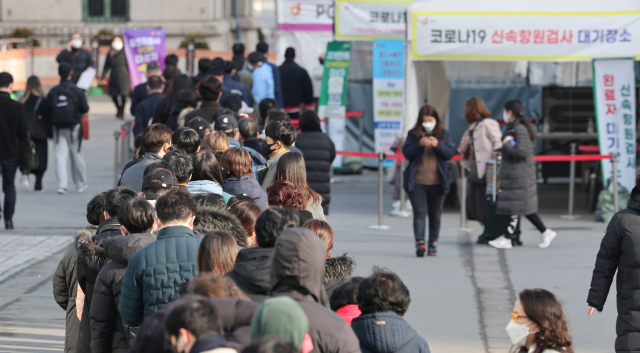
x=614, y=95
x=531, y=36
x=369, y=20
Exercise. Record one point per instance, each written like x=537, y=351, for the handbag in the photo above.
x=28, y=156
x=38, y=128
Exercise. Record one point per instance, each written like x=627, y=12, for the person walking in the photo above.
x=518, y=194
x=79, y=58
x=538, y=324
x=618, y=253
x=13, y=133
x=263, y=48
x=119, y=84
x=68, y=104
x=263, y=77
x=427, y=179
x=298, y=88
x=38, y=119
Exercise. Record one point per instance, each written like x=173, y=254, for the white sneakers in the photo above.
x=82, y=188
x=546, y=238
x=62, y=191
x=501, y=243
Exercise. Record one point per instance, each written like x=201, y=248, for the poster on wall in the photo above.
x=143, y=46
x=301, y=15
x=388, y=92
x=332, y=104
x=532, y=36
x=615, y=98
x=371, y=19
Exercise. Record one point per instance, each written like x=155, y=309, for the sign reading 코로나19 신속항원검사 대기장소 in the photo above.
x=143, y=46
x=615, y=98
x=534, y=36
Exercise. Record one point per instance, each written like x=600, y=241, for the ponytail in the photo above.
x=515, y=106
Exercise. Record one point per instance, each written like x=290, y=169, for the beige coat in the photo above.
x=487, y=138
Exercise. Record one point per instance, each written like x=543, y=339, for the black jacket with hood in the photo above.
x=252, y=272
x=319, y=152
x=107, y=334
x=298, y=272
x=620, y=251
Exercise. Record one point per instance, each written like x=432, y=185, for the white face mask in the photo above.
x=428, y=127
x=76, y=43
x=117, y=45
x=505, y=117
x=518, y=333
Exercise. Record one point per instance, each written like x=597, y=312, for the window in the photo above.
x=106, y=10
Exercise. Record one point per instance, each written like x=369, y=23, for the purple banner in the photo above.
x=143, y=46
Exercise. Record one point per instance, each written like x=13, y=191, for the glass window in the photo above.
x=106, y=10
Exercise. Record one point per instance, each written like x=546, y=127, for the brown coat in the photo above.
x=487, y=138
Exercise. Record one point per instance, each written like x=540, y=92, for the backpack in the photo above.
x=36, y=125
x=64, y=107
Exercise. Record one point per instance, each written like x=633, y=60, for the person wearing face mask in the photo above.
x=538, y=324
x=518, y=194
x=280, y=135
x=427, y=179
x=79, y=58
x=119, y=84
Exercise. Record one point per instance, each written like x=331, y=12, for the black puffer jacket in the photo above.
x=338, y=270
x=319, y=152
x=252, y=272
x=106, y=325
x=620, y=251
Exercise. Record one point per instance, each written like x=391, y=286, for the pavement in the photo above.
x=461, y=299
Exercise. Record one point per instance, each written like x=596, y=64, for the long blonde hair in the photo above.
x=33, y=87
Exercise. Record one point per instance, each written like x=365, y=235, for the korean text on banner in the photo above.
x=615, y=97
x=388, y=91
x=533, y=36
x=143, y=46
x=310, y=15
x=371, y=19
x=332, y=104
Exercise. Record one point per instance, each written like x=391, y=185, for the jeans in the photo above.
x=8, y=168
x=66, y=143
x=426, y=200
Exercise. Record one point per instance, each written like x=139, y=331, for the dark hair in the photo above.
x=237, y=162
x=248, y=129
x=209, y=284
x=515, y=106
x=206, y=167
x=211, y=200
x=271, y=223
x=281, y=131
x=186, y=139
x=237, y=48
x=115, y=198
x=283, y=193
x=304, y=216
x=309, y=121
x=204, y=64
x=217, y=61
x=383, y=291
x=96, y=208
x=233, y=102
x=290, y=53
x=270, y=344
x=176, y=205
x=157, y=165
x=196, y=315
x=154, y=136
x=265, y=106
x=255, y=57
x=136, y=215
x=208, y=219
x=428, y=110
x=209, y=88
x=181, y=165
x=262, y=47
x=323, y=230
x=185, y=98
x=217, y=253
x=544, y=308
x=345, y=294
x=274, y=115
x=475, y=110
x=171, y=60
x=228, y=67
x=216, y=70
x=247, y=213
x=5, y=79
x=155, y=82
x=291, y=168
x=34, y=87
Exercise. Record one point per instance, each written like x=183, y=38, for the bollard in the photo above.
x=116, y=175
x=463, y=197
x=380, y=226
x=95, y=55
x=402, y=212
x=361, y=130
x=190, y=58
x=572, y=184
x=614, y=168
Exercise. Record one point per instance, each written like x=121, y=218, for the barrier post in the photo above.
x=361, y=130
x=572, y=183
x=463, y=197
x=116, y=168
x=95, y=54
x=614, y=168
x=402, y=212
x=190, y=58
x=380, y=226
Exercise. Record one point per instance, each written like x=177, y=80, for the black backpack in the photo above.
x=64, y=107
x=37, y=127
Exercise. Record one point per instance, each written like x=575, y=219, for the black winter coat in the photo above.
x=252, y=272
x=44, y=115
x=13, y=127
x=319, y=152
x=620, y=251
x=107, y=334
x=80, y=60
x=298, y=87
x=139, y=94
x=387, y=332
x=413, y=152
x=119, y=83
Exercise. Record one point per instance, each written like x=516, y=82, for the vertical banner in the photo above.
x=332, y=104
x=143, y=46
x=614, y=95
x=388, y=91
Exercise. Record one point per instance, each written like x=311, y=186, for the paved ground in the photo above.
x=461, y=299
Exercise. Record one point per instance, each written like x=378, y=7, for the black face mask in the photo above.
x=266, y=148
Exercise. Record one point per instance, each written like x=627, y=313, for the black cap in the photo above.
x=200, y=125
x=225, y=123
x=167, y=180
x=64, y=69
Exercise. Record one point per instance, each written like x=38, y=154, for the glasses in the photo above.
x=515, y=316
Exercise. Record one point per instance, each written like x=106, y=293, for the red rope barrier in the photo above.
x=587, y=148
x=559, y=158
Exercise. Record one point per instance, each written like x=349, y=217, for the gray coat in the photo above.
x=518, y=194
x=132, y=177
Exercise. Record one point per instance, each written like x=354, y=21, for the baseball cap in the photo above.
x=167, y=180
x=64, y=69
x=200, y=125
x=225, y=123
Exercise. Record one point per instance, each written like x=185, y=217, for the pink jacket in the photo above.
x=487, y=138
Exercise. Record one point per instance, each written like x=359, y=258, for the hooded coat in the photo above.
x=298, y=271
x=620, y=251
x=252, y=272
x=338, y=270
x=107, y=334
x=387, y=332
x=249, y=186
